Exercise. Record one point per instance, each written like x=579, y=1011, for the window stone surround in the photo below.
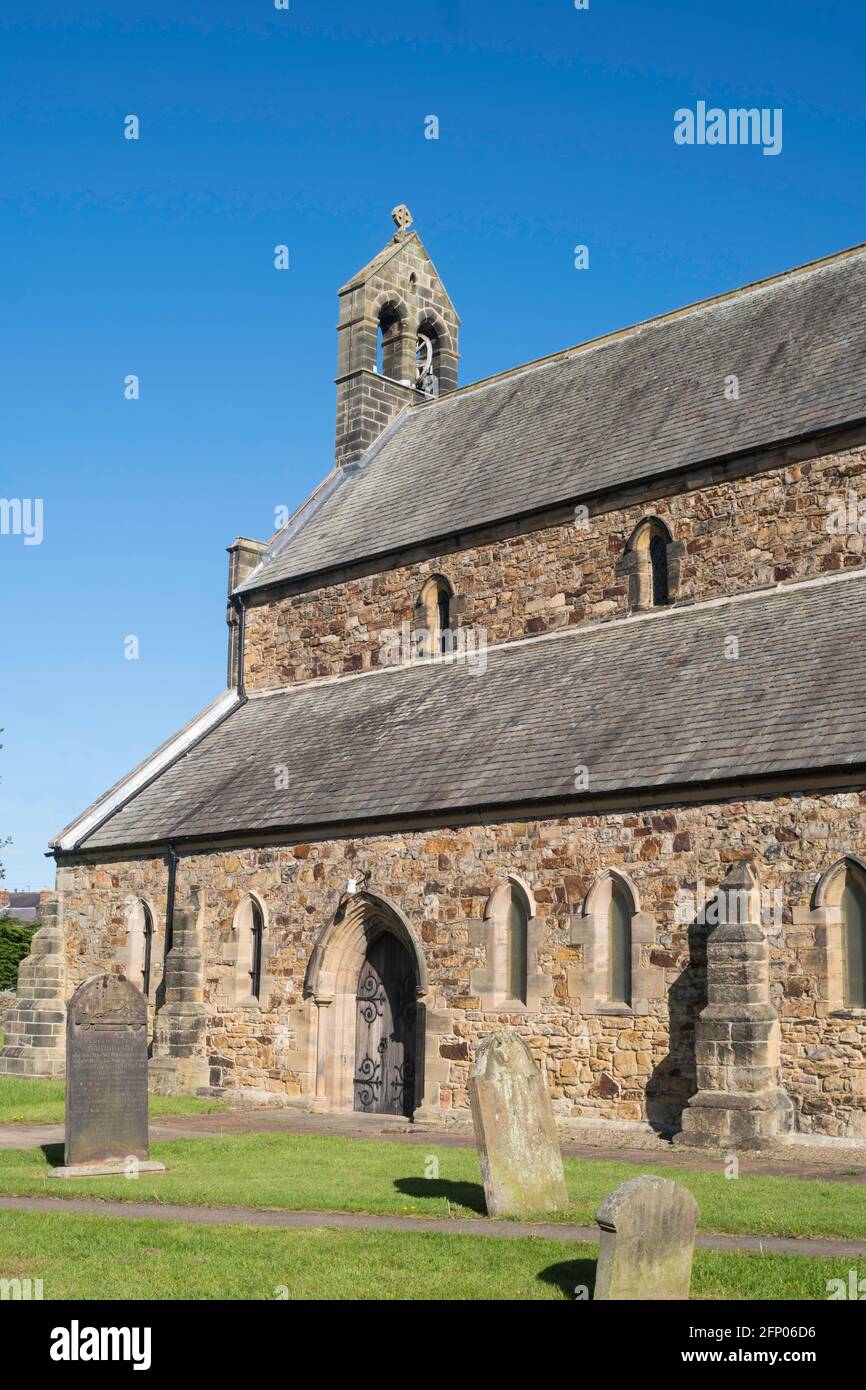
x=490, y=981
x=588, y=978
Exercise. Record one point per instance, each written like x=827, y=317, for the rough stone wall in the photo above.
x=598, y=1065
x=749, y=533
x=94, y=905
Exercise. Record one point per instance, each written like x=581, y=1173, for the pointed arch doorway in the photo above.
x=367, y=980
x=385, y=1028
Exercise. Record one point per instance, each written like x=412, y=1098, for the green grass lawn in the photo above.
x=41, y=1102
x=83, y=1257
x=328, y=1174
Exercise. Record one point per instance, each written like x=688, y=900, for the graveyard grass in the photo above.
x=41, y=1101
x=84, y=1257
x=319, y=1173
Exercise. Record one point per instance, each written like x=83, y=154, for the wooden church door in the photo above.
x=385, y=1017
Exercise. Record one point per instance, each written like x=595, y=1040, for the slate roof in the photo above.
x=642, y=402
x=24, y=907
x=650, y=702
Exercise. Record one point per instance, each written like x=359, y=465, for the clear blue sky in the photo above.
x=305, y=127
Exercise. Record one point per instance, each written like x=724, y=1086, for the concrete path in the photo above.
x=828, y=1164
x=361, y=1221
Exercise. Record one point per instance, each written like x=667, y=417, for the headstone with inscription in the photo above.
x=106, y=1080
x=515, y=1129
x=647, y=1240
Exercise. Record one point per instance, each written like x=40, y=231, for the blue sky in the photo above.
x=262, y=126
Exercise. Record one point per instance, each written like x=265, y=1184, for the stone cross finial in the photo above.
x=402, y=217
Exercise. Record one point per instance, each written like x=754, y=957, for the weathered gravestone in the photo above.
x=647, y=1240
x=106, y=1080
x=514, y=1129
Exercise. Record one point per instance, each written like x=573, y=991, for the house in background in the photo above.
x=24, y=907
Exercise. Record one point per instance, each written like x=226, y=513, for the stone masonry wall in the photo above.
x=597, y=1065
x=766, y=529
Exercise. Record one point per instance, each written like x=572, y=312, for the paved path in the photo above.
x=828, y=1164
x=362, y=1221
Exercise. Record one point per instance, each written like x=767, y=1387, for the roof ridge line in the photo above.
x=315, y=500
x=158, y=761
x=613, y=335
x=651, y=615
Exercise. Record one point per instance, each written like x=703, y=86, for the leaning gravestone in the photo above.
x=647, y=1240
x=514, y=1129
x=106, y=1080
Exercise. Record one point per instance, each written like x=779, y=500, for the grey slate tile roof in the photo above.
x=643, y=402
x=23, y=907
x=649, y=703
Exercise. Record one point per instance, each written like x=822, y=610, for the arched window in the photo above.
x=517, y=924
x=443, y=614
x=839, y=912
x=257, y=929
x=647, y=553
x=852, y=904
x=619, y=914
x=148, y=952
x=509, y=935
x=433, y=629
x=611, y=976
x=139, y=946
x=248, y=951
x=658, y=551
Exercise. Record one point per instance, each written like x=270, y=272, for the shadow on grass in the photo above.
x=571, y=1277
x=54, y=1154
x=464, y=1194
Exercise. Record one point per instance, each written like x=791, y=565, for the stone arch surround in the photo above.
x=331, y=985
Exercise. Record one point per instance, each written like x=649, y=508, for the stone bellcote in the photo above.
x=397, y=341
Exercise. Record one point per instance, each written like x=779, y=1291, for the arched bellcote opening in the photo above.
x=390, y=347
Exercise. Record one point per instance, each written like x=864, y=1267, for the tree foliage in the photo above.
x=15, y=938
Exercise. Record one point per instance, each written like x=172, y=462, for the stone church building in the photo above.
x=547, y=710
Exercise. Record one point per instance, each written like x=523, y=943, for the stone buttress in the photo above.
x=739, y=1101
x=35, y=1025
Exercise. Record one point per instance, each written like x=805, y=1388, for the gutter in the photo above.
x=734, y=787
x=171, y=858
x=171, y=853
x=241, y=610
